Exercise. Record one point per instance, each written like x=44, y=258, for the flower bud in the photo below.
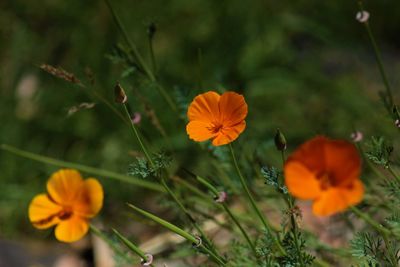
x=280, y=140
x=151, y=30
x=357, y=136
x=362, y=16
x=119, y=93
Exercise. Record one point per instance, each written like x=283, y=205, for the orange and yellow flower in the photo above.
x=326, y=171
x=69, y=204
x=216, y=117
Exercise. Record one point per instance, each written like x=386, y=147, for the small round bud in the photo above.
x=280, y=140
x=362, y=16
x=119, y=93
x=136, y=118
x=222, y=196
x=357, y=136
x=397, y=123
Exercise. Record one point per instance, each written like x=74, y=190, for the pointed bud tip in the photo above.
x=280, y=140
x=119, y=93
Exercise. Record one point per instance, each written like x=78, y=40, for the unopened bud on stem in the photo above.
x=120, y=96
x=280, y=140
x=151, y=30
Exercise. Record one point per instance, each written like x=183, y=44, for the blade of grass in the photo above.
x=178, y=231
x=91, y=170
x=135, y=249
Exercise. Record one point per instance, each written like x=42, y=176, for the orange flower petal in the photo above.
x=200, y=131
x=43, y=212
x=229, y=134
x=72, y=229
x=233, y=108
x=342, y=160
x=64, y=186
x=90, y=200
x=300, y=181
x=337, y=199
x=204, y=107
x=311, y=154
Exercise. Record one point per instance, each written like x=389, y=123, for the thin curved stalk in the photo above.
x=83, y=168
x=253, y=203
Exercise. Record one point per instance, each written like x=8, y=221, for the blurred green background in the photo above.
x=306, y=67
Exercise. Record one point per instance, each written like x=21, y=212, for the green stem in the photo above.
x=379, y=60
x=165, y=185
x=290, y=202
x=190, y=187
x=178, y=231
x=139, y=58
x=136, y=133
x=109, y=242
x=187, y=214
x=131, y=44
x=83, y=168
x=393, y=257
x=252, y=201
x=152, y=57
x=228, y=211
x=377, y=226
x=135, y=249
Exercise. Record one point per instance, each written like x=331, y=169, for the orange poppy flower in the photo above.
x=216, y=117
x=327, y=172
x=69, y=204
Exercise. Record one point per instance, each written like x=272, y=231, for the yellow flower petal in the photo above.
x=43, y=213
x=90, y=200
x=72, y=229
x=64, y=186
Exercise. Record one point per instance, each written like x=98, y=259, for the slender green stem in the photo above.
x=189, y=186
x=252, y=201
x=109, y=242
x=178, y=231
x=152, y=56
x=389, y=248
x=290, y=201
x=136, y=133
x=83, y=168
x=187, y=214
x=135, y=249
x=377, y=226
x=165, y=185
x=228, y=211
x=131, y=44
x=379, y=60
x=139, y=58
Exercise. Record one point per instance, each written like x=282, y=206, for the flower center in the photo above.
x=326, y=180
x=64, y=214
x=216, y=128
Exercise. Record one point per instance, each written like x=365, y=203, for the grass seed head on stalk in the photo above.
x=60, y=73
